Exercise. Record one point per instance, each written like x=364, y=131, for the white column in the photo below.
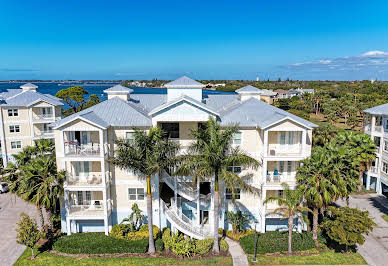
x=373, y=123
x=367, y=180
x=68, y=226
x=104, y=198
x=265, y=149
x=176, y=192
x=67, y=203
x=303, y=147
x=101, y=134
x=31, y=124
x=198, y=203
x=264, y=171
x=378, y=185
x=263, y=196
x=2, y=139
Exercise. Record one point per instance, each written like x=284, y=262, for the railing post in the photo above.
x=198, y=203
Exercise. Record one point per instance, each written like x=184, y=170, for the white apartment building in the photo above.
x=99, y=195
x=376, y=125
x=25, y=115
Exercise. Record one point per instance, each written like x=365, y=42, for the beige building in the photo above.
x=25, y=115
x=99, y=195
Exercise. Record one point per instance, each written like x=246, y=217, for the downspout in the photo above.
x=2, y=139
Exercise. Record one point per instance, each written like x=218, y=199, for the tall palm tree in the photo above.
x=289, y=206
x=148, y=153
x=210, y=156
x=316, y=183
x=44, y=146
x=44, y=184
x=362, y=148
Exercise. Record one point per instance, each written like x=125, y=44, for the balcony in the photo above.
x=288, y=150
x=72, y=148
x=379, y=128
x=93, y=209
x=374, y=170
x=91, y=180
x=49, y=134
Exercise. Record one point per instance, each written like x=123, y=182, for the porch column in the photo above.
x=67, y=203
x=31, y=124
x=367, y=180
x=104, y=199
x=101, y=135
x=265, y=149
x=378, y=185
x=373, y=123
x=264, y=195
x=264, y=171
x=68, y=226
x=303, y=146
x=198, y=203
x=53, y=111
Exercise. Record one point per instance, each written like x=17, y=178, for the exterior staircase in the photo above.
x=184, y=224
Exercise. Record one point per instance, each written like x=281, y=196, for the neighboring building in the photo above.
x=252, y=92
x=281, y=94
x=98, y=194
x=376, y=125
x=25, y=115
x=284, y=94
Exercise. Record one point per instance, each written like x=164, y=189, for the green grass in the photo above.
x=385, y=217
x=96, y=243
x=324, y=258
x=47, y=258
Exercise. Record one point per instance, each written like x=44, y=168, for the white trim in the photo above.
x=287, y=118
x=81, y=118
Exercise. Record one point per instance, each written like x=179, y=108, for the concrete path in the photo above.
x=375, y=248
x=10, y=208
x=238, y=254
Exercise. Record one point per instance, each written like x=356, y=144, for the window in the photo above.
x=377, y=141
x=289, y=167
x=46, y=111
x=229, y=195
x=171, y=129
x=281, y=167
x=130, y=136
x=235, y=169
x=385, y=167
x=13, y=112
x=201, y=126
x=385, y=145
x=237, y=138
x=14, y=129
x=16, y=144
x=46, y=128
x=136, y=193
x=280, y=193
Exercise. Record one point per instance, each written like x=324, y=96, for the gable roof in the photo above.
x=378, y=110
x=112, y=112
x=184, y=82
x=27, y=98
x=248, y=89
x=183, y=98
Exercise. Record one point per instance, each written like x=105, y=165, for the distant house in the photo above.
x=284, y=94
x=267, y=96
x=281, y=94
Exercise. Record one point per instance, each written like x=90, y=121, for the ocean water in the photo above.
x=92, y=88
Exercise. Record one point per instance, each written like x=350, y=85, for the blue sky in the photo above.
x=117, y=39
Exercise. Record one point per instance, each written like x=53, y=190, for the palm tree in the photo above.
x=289, y=206
x=44, y=146
x=316, y=183
x=148, y=154
x=362, y=148
x=44, y=185
x=323, y=135
x=210, y=156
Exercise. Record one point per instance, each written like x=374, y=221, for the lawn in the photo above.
x=324, y=258
x=385, y=217
x=47, y=258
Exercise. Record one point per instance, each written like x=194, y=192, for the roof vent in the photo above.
x=118, y=91
x=29, y=87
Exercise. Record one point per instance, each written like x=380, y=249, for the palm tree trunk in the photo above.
x=49, y=216
x=360, y=177
x=216, y=247
x=290, y=226
x=315, y=226
x=41, y=218
x=151, y=243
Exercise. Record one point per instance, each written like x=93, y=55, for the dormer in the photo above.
x=119, y=91
x=184, y=86
x=248, y=92
x=29, y=87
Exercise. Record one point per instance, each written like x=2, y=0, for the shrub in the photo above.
x=203, y=247
x=238, y=235
x=124, y=231
x=28, y=233
x=97, y=243
x=117, y=231
x=276, y=241
x=167, y=239
x=182, y=247
x=224, y=245
x=159, y=244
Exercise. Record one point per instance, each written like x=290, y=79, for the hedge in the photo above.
x=276, y=241
x=97, y=243
x=122, y=231
x=159, y=244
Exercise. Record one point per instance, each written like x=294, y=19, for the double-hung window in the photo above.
x=135, y=193
x=14, y=129
x=229, y=194
x=13, y=112
x=385, y=167
x=16, y=144
x=130, y=136
x=386, y=145
x=235, y=169
x=171, y=130
x=237, y=138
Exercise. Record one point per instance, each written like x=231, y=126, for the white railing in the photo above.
x=282, y=150
x=43, y=116
x=186, y=190
x=379, y=128
x=48, y=133
x=75, y=149
x=95, y=207
x=91, y=179
x=185, y=224
x=272, y=178
x=373, y=169
x=367, y=128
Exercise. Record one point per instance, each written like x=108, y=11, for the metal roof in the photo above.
x=378, y=110
x=118, y=88
x=19, y=97
x=250, y=89
x=184, y=82
x=29, y=86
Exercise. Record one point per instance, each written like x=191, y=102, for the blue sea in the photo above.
x=92, y=88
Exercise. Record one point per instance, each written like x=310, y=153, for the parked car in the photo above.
x=3, y=187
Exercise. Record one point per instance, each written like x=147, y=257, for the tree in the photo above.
x=238, y=220
x=210, y=156
x=27, y=232
x=315, y=183
x=362, y=148
x=323, y=135
x=148, y=154
x=74, y=97
x=289, y=206
x=347, y=225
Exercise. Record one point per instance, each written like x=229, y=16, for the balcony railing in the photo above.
x=274, y=178
x=379, y=128
x=94, y=208
x=284, y=150
x=374, y=169
x=74, y=149
x=89, y=180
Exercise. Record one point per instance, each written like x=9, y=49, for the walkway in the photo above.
x=375, y=248
x=10, y=209
x=238, y=254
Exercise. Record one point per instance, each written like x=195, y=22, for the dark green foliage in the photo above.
x=97, y=243
x=347, y=226
x=74, y=97
x=159, y=244
x=276, y=241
